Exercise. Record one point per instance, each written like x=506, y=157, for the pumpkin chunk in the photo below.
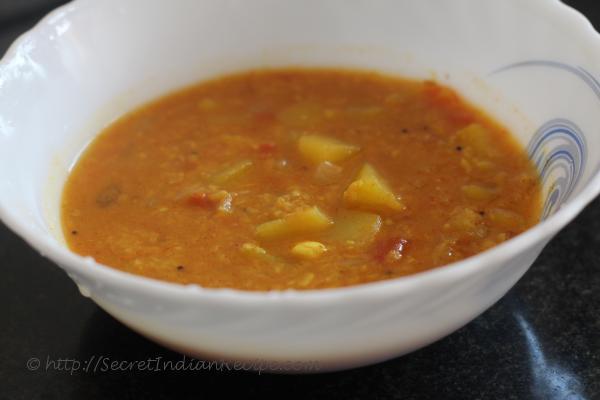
x=465, y=221
x=479, y=192
x=478, y=139
x=506, y=219
x=306, y=279
x=318, y=149
x=369, y=192
x=305, y=221
x=328, y=173
x=254, y=251
x=359, y=228
x=232, y=172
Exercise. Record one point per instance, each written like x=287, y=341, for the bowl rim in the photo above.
x=103, y=275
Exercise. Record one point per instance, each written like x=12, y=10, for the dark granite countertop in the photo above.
x=542, y=340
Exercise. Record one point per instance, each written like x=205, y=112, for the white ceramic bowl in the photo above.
x=529, y=63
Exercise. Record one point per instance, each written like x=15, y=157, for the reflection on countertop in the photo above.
x=551, y=381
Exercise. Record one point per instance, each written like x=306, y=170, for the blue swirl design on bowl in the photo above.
x=558, y=151
x=558, y=148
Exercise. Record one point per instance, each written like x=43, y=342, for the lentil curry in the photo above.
x=298, y=178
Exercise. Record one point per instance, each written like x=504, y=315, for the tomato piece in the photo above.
x=200, y=199
x=391, y=249
x=267, y=148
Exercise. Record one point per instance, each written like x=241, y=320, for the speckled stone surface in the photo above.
x=541, y=341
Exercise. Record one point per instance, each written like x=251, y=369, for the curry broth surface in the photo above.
x=148, y=195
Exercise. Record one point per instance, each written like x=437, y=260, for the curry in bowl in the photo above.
x=298, y=179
